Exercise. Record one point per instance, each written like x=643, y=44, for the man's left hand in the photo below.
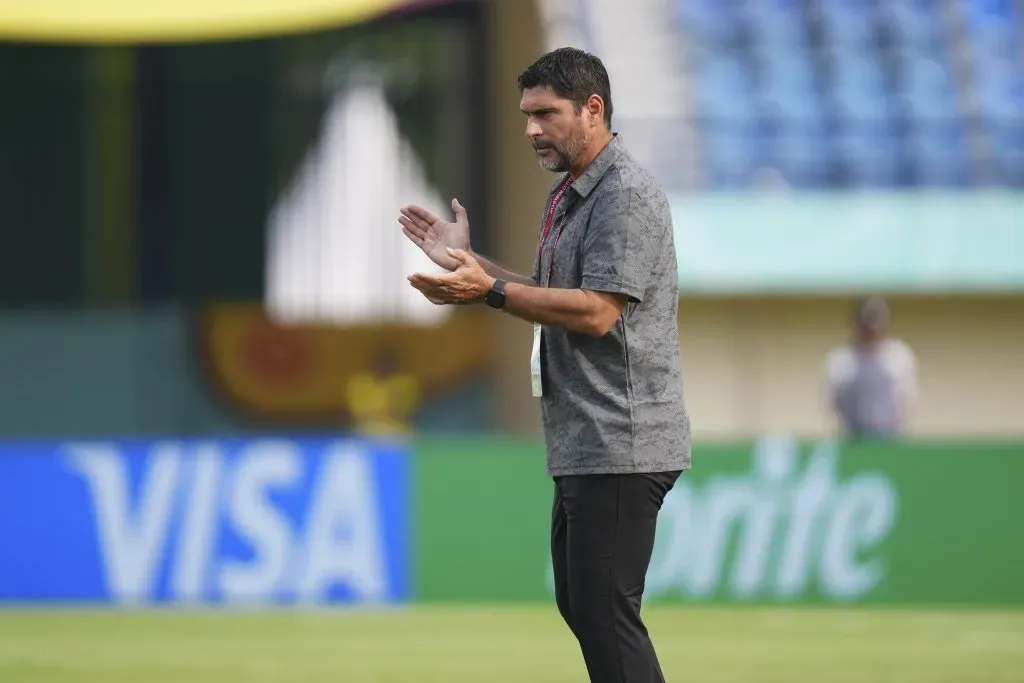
x=467, y=284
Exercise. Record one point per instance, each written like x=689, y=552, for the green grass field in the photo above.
x=505, y=645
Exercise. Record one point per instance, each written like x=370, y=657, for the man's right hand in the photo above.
x=435, y=236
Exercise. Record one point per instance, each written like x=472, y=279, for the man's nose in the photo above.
x=533, y=129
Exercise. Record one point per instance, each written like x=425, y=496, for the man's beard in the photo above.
x=566, y=153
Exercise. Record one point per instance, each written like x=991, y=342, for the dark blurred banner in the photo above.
x=156, y=195
x=263, y=168
x=125, y=21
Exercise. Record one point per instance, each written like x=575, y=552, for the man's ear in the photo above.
x=595, y=110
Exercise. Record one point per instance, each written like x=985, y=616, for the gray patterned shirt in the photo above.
x=614, y=404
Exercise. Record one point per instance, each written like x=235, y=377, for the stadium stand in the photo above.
x=855, y=93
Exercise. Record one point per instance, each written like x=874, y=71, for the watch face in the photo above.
x=495, y=298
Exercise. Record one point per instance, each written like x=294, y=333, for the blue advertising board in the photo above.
x=227, y=521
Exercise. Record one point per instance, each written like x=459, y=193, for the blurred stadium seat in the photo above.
x=860, y=93
x=913, y=22
x=851, y=23
x=778, y=23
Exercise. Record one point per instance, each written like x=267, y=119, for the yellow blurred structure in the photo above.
x=382, y=404
x=126, y=21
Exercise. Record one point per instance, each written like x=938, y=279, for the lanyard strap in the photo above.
x=547, y=228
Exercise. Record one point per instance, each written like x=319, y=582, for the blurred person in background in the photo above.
x=603, y=298
x=382, y=398
x=872, y=380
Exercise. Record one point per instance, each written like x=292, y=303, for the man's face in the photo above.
x=870, y=332
x=557, y=132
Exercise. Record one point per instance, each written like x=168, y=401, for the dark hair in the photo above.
x=573, y=75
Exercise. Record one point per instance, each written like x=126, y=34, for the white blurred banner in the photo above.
x=336, y=253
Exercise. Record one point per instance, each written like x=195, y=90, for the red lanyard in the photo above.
x=547, y=227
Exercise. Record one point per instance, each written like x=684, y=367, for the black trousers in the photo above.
x=602, y=537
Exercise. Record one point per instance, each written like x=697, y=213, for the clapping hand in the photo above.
x=436, y=237
x=468, y=283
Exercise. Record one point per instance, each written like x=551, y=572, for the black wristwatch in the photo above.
x=496, y=295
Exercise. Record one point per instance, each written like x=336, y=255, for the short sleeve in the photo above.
x=839, y=366
x=620, y=247
x=904, y=368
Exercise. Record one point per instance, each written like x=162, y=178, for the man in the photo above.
x=603, y=298
x=872, y=381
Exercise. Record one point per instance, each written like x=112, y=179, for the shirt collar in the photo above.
x=601, y=163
